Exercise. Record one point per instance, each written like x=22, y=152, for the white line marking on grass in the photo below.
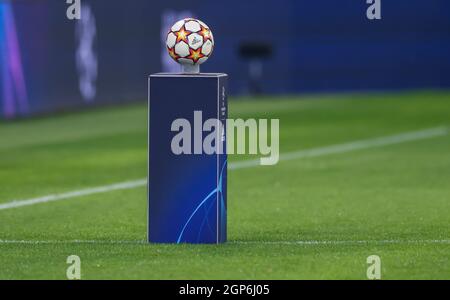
x=307, y=153
x=347, y=242
x=299, y=243
x=352, y=146
x=77, y=193
x=52, y=242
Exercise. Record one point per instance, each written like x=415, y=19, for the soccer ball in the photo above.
x=190, y=42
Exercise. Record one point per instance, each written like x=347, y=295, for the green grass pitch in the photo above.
x=310, y=218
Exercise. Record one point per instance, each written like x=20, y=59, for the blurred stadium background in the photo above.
x=49, y=63
x=338, y=83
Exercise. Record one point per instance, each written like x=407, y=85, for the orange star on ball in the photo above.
x=205, y=33
x=182, y=35
x=195, y=55
x=172, y=53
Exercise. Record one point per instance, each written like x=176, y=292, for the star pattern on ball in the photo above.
x=195, y=55
x=182, y=35
x=189, y=42
x=205, y=33
x=172, y=53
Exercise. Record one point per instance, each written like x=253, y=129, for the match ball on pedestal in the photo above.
x=190, y=42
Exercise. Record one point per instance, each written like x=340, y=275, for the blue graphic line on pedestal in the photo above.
x=222, y=203
x=218, y=189
x=205, y=220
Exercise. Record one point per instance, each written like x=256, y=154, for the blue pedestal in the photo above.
x=187, y=192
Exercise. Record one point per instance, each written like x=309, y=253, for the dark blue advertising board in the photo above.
x=49, y=63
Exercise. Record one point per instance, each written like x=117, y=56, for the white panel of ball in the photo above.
x=182, y=49
x=207, y=47
x=202, y=60
x=192, y=26
x=177, y=26
x=185, y=61
x=203, y=24
x=171, y=40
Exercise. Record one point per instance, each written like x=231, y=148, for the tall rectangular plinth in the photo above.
x=187, y=171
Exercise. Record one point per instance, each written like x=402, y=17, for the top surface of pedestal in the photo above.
x=188, y=75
